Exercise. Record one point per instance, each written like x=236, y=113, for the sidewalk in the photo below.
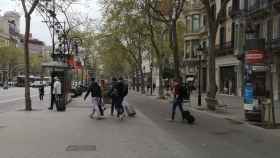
x=234, y=111
x=49, y=134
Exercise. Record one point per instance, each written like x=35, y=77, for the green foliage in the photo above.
x=10, y=56
x=35, y=63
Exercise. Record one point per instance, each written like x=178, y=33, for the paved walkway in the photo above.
x=48, y=134
x=234, y=110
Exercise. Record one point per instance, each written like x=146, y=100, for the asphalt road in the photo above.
x=13, y=98
x=210, y=137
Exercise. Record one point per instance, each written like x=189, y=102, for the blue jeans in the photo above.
x=177, y=102
x=119, y=106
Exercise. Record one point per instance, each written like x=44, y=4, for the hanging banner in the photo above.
x=255, y=56
x=248, y=96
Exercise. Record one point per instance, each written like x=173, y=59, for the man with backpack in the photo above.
x=95, y=91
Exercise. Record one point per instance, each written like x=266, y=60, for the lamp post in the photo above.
x=199, y=53
x=151, y=69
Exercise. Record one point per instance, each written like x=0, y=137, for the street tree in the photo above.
x=156, y=33
x=124, y=24
x=11, y=58
x=214, y=15
x=168, y=13
x=27, y=14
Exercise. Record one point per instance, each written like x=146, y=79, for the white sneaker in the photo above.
x=122, y=116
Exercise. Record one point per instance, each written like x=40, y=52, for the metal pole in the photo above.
x=83, y=69
x=199, y=80
x=151, y=79
x=271, y=67
x=53, y=49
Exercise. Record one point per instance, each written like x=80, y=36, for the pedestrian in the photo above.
x=57, y=94
x=122, y=90
x=178, y=98
x=154, y=87
x=41, y=92
x=96, y=95
x=113, y=93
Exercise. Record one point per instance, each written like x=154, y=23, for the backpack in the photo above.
x=125, y=90
x=114, y=92
x=95, y=89
x=120, y=88
x=185, y=93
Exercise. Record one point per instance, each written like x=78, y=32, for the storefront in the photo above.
x=228, y=80
x=228, y=75
x=256, y=86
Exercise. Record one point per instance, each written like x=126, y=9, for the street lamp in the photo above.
x=151, y=69
x=200, y=50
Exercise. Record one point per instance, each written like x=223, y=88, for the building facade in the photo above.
x=35, y=46
x=196, y=35
x=9, y=31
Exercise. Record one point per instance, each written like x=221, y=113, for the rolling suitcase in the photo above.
x=187, y=116
x=129, y=109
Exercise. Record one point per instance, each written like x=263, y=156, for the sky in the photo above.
x=39, y=29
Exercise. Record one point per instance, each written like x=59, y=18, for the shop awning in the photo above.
x=56, y=65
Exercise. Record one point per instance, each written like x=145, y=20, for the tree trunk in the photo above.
x=28, y=106
x=142, y=79
x=175, y=48
x=212, y=85
x=133, y=81
x=137, y=80
x=160, y=86
x=9, y=72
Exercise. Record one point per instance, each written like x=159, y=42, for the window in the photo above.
x=204, y=20
x=278, y=27
x=195, y=45
x=232, y=32
x=188, y=24
x=269, y=29
x=235, y=5
x=195, y=23
x=222, y=36
x=188, y=49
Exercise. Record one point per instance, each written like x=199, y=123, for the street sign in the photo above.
x=255, y=56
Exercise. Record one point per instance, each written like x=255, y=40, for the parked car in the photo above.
x=36, y=84
x=78, y=91
x=5, y=86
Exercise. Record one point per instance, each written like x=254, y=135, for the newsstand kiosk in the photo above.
x=255, y=71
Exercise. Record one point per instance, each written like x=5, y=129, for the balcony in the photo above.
x=236, y=12
x=190, y=35
x=190, y=6
x=275, y=44
x=276, y=4
x=225, y=48
x=260, y=9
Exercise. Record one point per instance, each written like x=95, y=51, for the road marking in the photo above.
x=16, y=99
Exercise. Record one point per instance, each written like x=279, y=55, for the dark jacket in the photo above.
x=94, y=89
x=41, y=90
x=114, y=90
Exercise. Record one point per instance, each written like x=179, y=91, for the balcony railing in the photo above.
x=193, y=6
x=276, y=4
x=259, y=6
x=225, y=45
x=275, y=43
x=225, y=48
